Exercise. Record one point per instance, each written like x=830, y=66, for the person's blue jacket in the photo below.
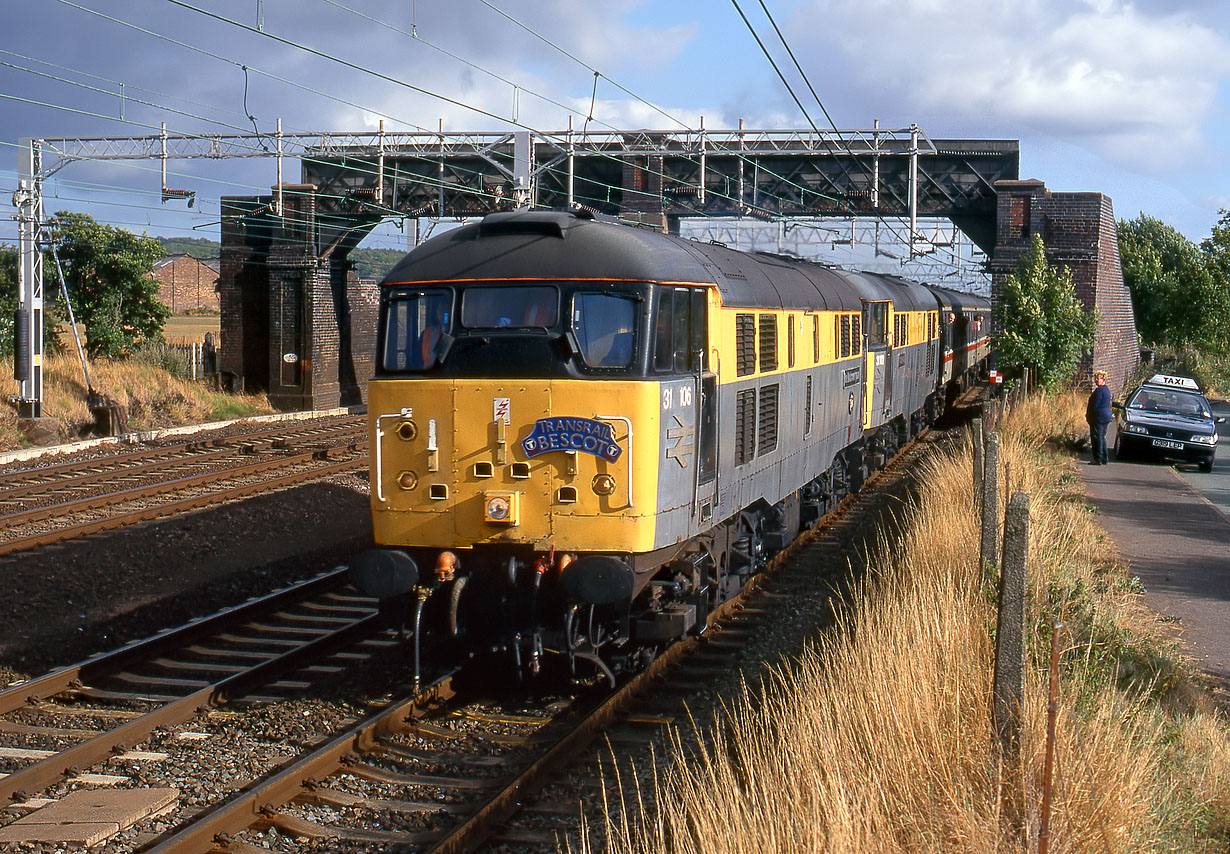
x=1098, y=410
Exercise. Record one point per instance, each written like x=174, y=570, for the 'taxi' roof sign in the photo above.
x=1174, y=382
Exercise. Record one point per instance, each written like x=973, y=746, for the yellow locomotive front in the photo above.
x=517, y=434
x=539, y=464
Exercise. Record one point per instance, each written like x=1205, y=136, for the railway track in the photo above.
x=77, y=725
x=434, y=770
x=439, y=771
x=52, y=503
x=429, y=773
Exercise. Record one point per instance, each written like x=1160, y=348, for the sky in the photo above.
x=1127, y=99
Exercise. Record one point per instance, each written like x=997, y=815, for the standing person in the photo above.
x=1098, y=415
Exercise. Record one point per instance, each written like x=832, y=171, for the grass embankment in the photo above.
x=150, y=386
x=880, y=739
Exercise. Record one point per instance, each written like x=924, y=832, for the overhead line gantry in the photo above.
x=358, y=179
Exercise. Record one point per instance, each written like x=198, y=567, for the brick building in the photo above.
x=1080, y=233
x=186, y=284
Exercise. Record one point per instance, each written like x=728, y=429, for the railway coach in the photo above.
x=585, y=435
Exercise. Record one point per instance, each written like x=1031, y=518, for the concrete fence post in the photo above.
x=1010, y=665
x=989, y=546
x=977, y=437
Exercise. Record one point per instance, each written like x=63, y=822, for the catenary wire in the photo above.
x=318, y=53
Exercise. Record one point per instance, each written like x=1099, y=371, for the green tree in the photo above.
x=108, y=274
x=1216, y=247
x=1179, y=291
x=1044, y=326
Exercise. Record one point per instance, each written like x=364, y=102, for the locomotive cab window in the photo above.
x=414, y=324
x=876, y=323
x=605, y=328
x=679, y=330
x=516, y=307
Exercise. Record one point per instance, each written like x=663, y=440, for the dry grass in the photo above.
x=152, y=396
x=880, y=738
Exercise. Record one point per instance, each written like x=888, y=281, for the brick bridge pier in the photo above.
x=1079, y=232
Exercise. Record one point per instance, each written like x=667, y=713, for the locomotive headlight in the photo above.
x=501, y=508
x=603, y=484
x=407, y=480
x=407, y=430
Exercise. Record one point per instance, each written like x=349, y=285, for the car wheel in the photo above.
x=1206, y=465
x=1121, y=451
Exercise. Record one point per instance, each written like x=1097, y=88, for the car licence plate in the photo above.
x=1167, y=443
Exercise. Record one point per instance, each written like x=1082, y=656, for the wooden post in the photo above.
x=1052, y=710
x=1010, y=665
x=989, y=547
x=977, y=437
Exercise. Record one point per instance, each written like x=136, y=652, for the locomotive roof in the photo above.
x=950, y=299
x=572, y=245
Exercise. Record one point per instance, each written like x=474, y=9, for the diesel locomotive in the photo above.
x=585, y=435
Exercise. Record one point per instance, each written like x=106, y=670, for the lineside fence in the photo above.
x=1004, y=561
x=192, y=360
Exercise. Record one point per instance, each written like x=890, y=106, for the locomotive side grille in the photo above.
x=767, y=428
x=845, y=335
x=745, y=344
x=745, y=426
x=856, y=342
x=768, y=342
x=930, y=358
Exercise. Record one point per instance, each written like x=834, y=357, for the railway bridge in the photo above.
x=298, y=323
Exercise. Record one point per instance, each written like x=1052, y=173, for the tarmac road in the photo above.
x=1172, y=524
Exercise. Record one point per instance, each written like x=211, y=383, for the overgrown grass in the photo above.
x=880, y=738
x=149, y=389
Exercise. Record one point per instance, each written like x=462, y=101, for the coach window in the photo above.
x=604, y=326
x=413, y=326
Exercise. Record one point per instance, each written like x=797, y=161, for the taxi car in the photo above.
x=1169, y=417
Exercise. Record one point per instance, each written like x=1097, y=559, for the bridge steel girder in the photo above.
x=765, y=174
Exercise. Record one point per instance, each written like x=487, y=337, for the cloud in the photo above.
x=1101, y=69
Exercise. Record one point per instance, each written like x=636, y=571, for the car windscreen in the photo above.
x=1169, y=403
